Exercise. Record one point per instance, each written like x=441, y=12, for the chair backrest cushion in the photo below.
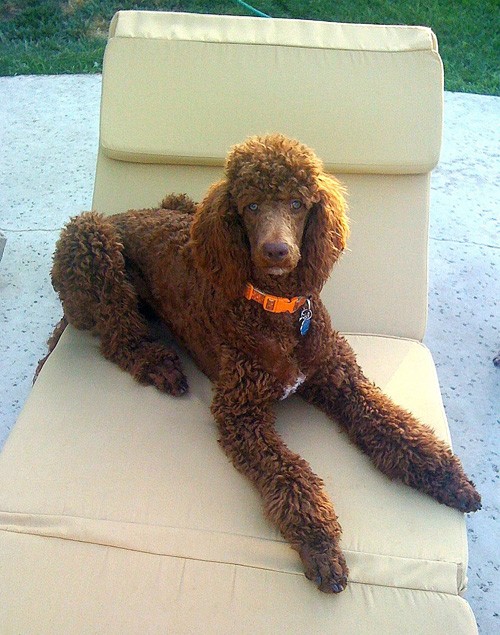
x=180, y=89
x=367, y=99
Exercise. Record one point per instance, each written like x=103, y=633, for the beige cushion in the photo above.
x=115, y=494
x=119, y=513
x=170, y=112
x=212, y=80
x=53, y=586
x=389, y=232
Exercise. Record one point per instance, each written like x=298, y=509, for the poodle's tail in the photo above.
x=180, y=202
x=51, y=343
x=89, y=273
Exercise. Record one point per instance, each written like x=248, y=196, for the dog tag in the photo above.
x=305, y=317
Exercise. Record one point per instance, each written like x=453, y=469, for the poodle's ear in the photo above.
x=219, y=243
x=325, y=235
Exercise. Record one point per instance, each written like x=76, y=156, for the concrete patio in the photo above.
x=49, y=143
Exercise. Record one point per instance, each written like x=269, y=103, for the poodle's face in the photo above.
x=273, y=183
x=274, y=212
x=274, y=230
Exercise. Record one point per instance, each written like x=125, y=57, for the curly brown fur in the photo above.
x=51, y=344
x=180, y=202
x=276, y=220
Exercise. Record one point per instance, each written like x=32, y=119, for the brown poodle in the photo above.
x=237, y=281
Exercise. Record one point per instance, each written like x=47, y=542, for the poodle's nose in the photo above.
x=276, y=251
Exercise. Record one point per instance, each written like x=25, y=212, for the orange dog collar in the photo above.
x=272, y=303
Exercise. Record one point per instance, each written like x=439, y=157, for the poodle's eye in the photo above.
x=296, y=204
x=253, y=207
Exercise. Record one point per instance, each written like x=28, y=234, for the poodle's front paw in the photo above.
x=157, y=365
x=325, y=566
x=469, y=499
x=459, y=492
x=293, y=387
x=450, y=485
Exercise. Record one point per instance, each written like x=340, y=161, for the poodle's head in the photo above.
x=275, y=214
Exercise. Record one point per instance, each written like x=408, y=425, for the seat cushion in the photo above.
x=52, y=586
x=118, y=494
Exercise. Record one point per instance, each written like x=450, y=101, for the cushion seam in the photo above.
x=274, y=45
x=235, y=564
x=127, y=522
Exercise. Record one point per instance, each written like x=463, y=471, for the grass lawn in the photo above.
x=55, y=36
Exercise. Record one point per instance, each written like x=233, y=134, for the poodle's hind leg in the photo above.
x=399, y=445
x=90, y=276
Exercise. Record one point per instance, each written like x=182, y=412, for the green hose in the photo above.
x=253, y=10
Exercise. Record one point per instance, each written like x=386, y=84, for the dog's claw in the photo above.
x=327, y=586
x=453, y=488
x=182, y=387
x=335, y=586
x=469, y=499
x=327, y=569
